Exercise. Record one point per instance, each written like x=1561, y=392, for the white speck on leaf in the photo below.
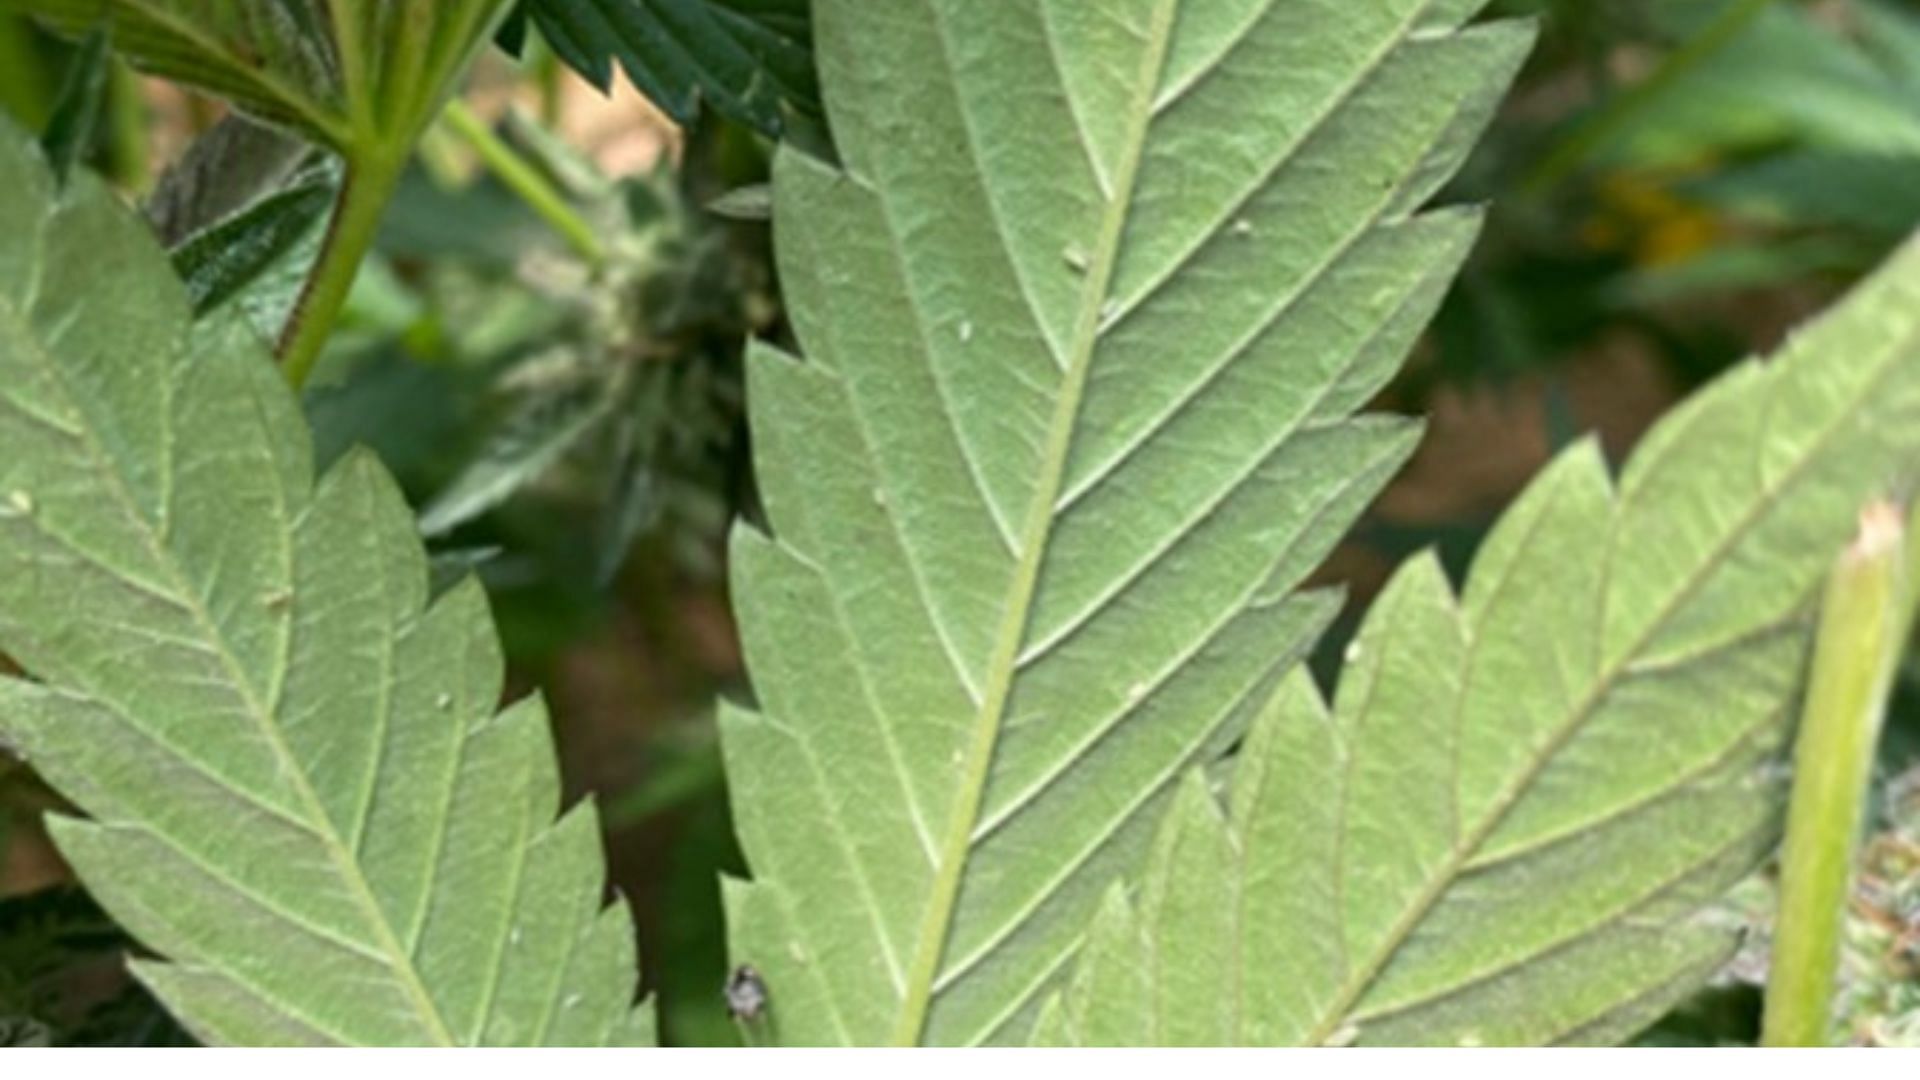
x=21, y=502
x=444, y=701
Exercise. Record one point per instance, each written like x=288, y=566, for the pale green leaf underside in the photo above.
x=1512, y=824
x=1086, y=314
x=299, y=791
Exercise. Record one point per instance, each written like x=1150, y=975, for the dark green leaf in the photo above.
x=76, y=112
x=231, y=167
x=535, y=435
x=260, y=256
x=752, y=60
x=272, y=57
x=362, y=76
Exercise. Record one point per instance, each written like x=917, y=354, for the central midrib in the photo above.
x=957, y=844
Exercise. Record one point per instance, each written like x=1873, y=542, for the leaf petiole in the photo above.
x=368, y=186
x=1865, y=621
x=525, y=182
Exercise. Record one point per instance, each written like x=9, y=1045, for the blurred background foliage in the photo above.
x=546, y=350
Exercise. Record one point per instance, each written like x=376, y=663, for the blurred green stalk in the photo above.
x=128, y=149
x=367, y=188
x=24, y=89
x=526, y=182
x=1599, y=127
x=1865, y=621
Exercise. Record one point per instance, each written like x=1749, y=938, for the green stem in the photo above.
x=547, y=76
x=127, y=130
x=368, y=187
x=1600, y=126
x=525, y=181
x=1864, y=624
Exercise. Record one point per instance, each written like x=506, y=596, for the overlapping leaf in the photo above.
x=1509, y=825
x=300, y=793
x=1086, y=317
x=274, y=58
x=751, y=59
x=340, y=71
x=244, y=212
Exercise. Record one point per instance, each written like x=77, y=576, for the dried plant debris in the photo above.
x=1879, y=999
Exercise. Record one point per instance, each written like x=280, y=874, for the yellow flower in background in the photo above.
x=1647, y=222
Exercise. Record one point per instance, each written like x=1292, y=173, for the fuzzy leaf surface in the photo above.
x=299, y=790
x=1086, y=315
x=1512, y=823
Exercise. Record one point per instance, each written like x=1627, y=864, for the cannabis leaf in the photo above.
x=1507, y=829
x=258, y=260
x=340, y=71
x=530, y=440
x=300, y=793
x=272, y=58
x=751, y=59
x=1086, y=316
x=229, y=170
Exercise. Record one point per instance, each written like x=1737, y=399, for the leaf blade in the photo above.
x=1524, y=800
x=1061, y=476
x=301, y=791
x=361, y=78
x=272, y=59
x=750, y=59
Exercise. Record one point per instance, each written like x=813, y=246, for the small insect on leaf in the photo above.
x=746, y=994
